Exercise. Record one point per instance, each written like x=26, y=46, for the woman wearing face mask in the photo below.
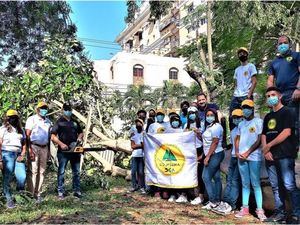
x=12, y=154
x=159, y=126
x=193, y=124
x=151, y=119
x=214, y=154
x=137, y=160
x=249, y=153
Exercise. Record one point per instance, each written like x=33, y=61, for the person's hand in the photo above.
x=244, y=155
x=20, y=158
x=199, y=157
x=269, y=156
x=296, y=95
x=266, y=148
x=197, y=131
x=1, y=165
x=206, y=160
x=63, y=146
x=249, y=96
x=31, y=155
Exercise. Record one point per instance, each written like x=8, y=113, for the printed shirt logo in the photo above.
x=290, y=58
x=252, y=129
x=169, y=159
x=160, y=130
x=272, y=124
x=246, y=73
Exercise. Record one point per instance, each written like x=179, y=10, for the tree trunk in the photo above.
x=209, y=32
x=204, y=88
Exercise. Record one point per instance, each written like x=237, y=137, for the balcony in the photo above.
x=167, y=23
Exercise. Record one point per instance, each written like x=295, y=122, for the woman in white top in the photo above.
x=12, y=153
x=214, y=154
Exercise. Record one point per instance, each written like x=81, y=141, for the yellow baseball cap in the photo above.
x=41, y=104
x=12, y=112
x=162, y=111
x=242, y=49
x=237, y=112
x=139, y=120
x=248, y=102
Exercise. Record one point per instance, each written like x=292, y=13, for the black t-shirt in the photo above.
x=274, y=124
x=67, y=131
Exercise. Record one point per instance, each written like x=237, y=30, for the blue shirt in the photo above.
x=285, y=70
x=183, y=120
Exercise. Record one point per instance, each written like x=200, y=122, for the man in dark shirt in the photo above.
x=284, y=73
x=65, y=131
x=280, y=150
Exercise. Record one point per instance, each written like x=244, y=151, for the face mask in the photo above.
x=13, y=121
x=272, y=101
x=210, y=119
x=237, y=121
x=160, y=118
x=184, y=110
x=192, y=117
x=175, y=124
x=139, y=128
x=243, y=58
x=68, y=113
x=247, y=112
x=283, y=48
x=43, y=112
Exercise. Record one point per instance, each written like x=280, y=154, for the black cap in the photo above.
x=273, y=89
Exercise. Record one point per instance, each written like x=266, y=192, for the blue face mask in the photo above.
x=237, y=121
x=192, y=117
x=160, y=118
x=247, y=112
x=175, y=124
x=68, y=113
x=210, y=119
x=272, y=101
x=283, y=48
x=43, y=112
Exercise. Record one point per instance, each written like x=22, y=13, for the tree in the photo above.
x=159, y=8
x=24, y=25
x=132, y=8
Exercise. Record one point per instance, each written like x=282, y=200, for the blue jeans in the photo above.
x=10, y=166
x=137, y=172
x=233, y=183
x=212, y=172
x=282, y=178
x=63, y=159
x=250, y=173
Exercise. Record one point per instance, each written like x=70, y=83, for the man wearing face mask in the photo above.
x=38, y=138
x=64, y=132
x=245, y=81
x=159, y=126
x=284, y=73
x=279, y=148
x=141, y=114
x=151, y=118
x=184, y=110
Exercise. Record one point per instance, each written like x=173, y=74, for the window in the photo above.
x=138, y=70
x=173, y=73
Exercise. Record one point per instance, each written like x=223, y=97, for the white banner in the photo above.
x=171, y=160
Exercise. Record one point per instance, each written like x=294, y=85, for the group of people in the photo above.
x=274, y=139
x=16, y=143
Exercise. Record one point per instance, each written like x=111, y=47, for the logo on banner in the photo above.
x=169, y=159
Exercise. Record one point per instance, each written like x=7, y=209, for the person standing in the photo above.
x=65, y=131
x=184, y=110
x=284, y=73
x=159, y=126
x=12, y=154
x=38, y=139
x=245, y=81
x=280, y=150
x=249, y=154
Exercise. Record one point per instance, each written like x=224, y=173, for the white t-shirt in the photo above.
x=138, y=139
x=248, y=132
x=192, y=128
x=170, y=129
x=233, y=135
x=11, y=141
x=212, y=131
x=158, y=128
x=39, y=129
x=243, y=75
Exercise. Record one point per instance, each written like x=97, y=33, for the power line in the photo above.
x=97, y=46
x=98, y=41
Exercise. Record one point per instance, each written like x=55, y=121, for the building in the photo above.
x=125, y=69
x=161, y=37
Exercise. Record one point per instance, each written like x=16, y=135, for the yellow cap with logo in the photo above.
x=162, y=111
x=248, y=102
x=237, y=112
x=242, y=49
x=41, y=104
x=11, y=112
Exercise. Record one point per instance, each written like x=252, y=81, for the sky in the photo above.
x=100, y=21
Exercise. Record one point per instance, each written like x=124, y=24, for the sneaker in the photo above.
x=172, y=198
x=276, y=217
x=261, y=215
x=38, y=200
x=132, y=189
x=10, y=204
x=224, y=208
x=181, y=199
x=197, y=201
x=61, y=196
x=143, y=191
x=243, y=212
x=77, y=194
x=209, y=206
x=220, y=206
